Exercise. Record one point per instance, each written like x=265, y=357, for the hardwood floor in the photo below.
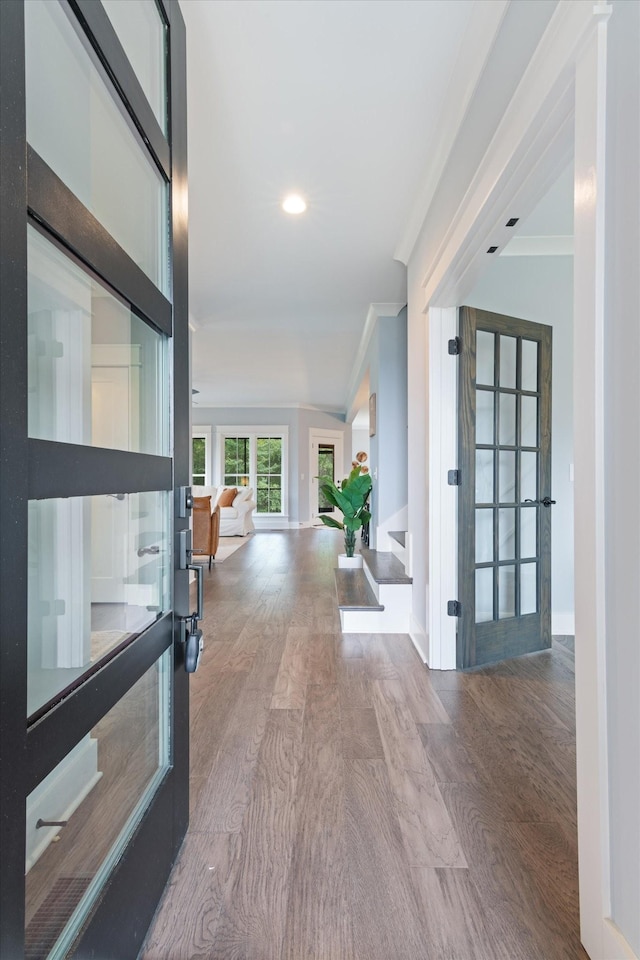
x=348, y=804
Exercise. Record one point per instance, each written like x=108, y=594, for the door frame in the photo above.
x=560, y=105
x=318, y=435
x=37, y=469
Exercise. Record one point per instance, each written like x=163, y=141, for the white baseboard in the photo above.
x=419, y=637
x=615, y=945
x=272, y=523
x=563, y=624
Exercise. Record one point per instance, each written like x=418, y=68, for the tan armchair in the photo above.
x=206, y=528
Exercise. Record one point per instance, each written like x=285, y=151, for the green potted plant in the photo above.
x=351, y=498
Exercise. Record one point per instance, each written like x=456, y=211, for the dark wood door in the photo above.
x=504, y=514
x=94, y=447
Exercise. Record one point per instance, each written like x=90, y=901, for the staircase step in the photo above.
x=354, y=592
x=400, y=536
x=384, y=567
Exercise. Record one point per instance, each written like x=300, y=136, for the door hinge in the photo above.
x=454, y=608
x=453, y=478
x=455, y=346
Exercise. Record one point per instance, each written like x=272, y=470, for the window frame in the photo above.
x=253, y=433
x=202, y=433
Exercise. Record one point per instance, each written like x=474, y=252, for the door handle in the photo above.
x=194, y=641
x=546, y=502
x=198, y=612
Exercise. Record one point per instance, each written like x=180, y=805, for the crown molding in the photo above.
x=475, y=50
x=538, y=123
x=315, y=408
x=375, y=311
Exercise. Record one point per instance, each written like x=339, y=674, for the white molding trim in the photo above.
x=590, y=655
x=205, y=433
x=335, y=436
x=563, y=624
x=419, y=638
x=615, y=946
x=560, y=246
x=443, y=499
x=375, y=311
x=476, y=48
x=253, y=432
x=315, y=408
x=537, y=117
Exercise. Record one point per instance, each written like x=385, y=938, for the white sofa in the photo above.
x=236, y=520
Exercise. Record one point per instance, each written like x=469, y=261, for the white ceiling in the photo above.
x=339, y=100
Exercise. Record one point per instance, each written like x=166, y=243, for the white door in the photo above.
x=326, y=458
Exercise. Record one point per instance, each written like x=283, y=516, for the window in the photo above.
x=256, y=457
x=201, y=456
x=269, y=474
x=236, y=461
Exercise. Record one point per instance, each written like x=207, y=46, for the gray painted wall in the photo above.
x=541, y=289
x=299, y=421
x=385, y=362
x=391, y=427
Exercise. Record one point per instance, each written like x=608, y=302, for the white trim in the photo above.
x=534, y=135
x=221, y=405
x=563, y=624
x=203, y=433
x=443, y=499
x=253, y=431
x=590, y=654
x=317, y=434
x=475, y=50
x=560, y=246
x=615, y=946
x=419, y=638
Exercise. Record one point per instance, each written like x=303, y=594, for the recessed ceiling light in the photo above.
x=294, y=204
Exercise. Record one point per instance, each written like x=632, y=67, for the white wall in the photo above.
x=541, y=289
x=359, y=441
x=622, y=465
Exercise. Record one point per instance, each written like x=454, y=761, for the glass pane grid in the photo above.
x=507, y=456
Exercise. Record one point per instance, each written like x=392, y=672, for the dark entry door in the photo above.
x=504, y=522
x=94, y=445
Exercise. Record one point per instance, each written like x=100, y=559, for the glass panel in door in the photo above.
x=99, y=574
x=81, y=815
x=76, y=126
x=142, y=33
x=97, y=372
x=326, y=468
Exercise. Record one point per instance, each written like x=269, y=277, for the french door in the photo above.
x=504, y=504
x=94, y=449
x=326, y=460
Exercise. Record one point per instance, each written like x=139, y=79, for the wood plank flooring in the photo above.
x=348, y=804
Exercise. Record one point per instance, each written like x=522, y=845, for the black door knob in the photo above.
x=547, y=502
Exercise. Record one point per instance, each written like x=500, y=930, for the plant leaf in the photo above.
x=330, y=522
